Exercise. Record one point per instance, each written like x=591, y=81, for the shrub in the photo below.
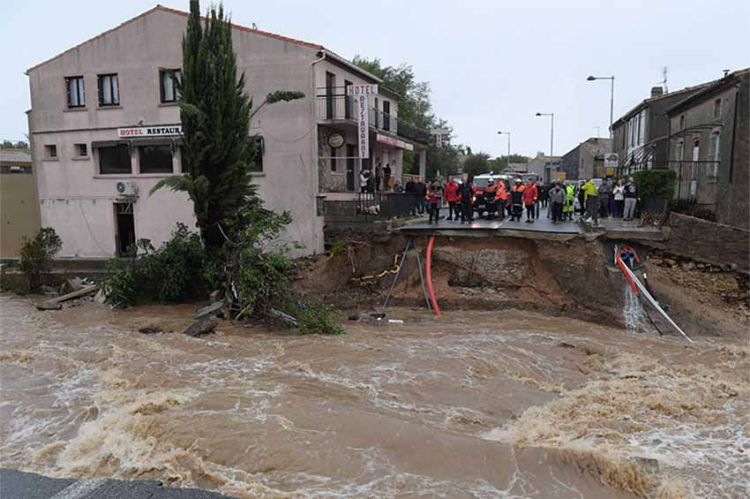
x=37, y=254
x=656, y=183
x=173, y=273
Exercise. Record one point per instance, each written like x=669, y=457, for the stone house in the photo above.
x=640, y=137
x=586, y=160
x=710, y=148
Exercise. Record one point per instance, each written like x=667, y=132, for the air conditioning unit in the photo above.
x=127, y=188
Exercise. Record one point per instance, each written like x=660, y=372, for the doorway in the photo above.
x=124, y=228
x=351, y=153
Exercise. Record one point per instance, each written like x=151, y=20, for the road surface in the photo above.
x=20, y=485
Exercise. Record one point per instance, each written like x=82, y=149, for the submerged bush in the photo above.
x=173, y=273
x=182, y=270
x=37, y=254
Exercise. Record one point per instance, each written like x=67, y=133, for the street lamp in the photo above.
x=551, y=132
x=611, y=97
x=508, y=134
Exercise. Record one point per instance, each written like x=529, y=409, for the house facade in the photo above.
x=709, y=149
x=544, y=166
x=105, y=128
x=641, y=136
x=19, y=205
x=586, y=160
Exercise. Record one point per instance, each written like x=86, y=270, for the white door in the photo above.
x=694, y=167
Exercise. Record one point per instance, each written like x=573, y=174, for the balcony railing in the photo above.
x=344, y=108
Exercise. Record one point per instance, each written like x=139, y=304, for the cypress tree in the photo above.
x=215, y=115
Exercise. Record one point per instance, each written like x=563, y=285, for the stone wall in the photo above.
x=708, y=242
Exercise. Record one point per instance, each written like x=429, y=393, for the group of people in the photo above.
x=564, y=200
x=381, y=179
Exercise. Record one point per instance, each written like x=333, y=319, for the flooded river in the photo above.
x=504, y=404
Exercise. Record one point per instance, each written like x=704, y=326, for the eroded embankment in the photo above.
x=575, y=278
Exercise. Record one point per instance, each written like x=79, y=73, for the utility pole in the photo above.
x=508, y=134
x=611, y=98
x=551, y=132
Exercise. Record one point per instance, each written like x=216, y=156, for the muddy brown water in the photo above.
x=474, y=404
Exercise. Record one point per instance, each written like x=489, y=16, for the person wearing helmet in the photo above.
x=516, y=200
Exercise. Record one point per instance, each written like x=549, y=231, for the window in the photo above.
x=81, y=150
x=386, y=115
x=717, y=108
x=109, y=91
x=259, y=150
x=714, y=145
x=680, y=150
x=168, y=79
x=330, y=84
x=349, y=103
x=155, y=159
x=50, y=151
x=114, y=159
x=75, y=91
x=682, y=122
x=333, y=159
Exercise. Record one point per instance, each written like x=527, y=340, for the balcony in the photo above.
x=343, y=109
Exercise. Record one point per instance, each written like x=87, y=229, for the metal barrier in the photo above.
x=387, y=204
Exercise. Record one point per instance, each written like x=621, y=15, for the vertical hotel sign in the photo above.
x=361, y=94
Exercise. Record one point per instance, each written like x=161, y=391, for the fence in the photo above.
x=697, y=181
x=386, y=204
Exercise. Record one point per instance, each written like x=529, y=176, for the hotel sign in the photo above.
x=361, y=93
x=149, y=131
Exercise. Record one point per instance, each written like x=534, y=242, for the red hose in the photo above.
x=621, y=264
x=430, y=289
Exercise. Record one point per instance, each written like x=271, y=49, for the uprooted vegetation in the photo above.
x=254, y=282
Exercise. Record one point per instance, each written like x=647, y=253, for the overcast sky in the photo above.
x=491, y=64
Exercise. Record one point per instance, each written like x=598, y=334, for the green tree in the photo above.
x=37, y=254
x=500, y=163
x=476, y=164
x=215, y=115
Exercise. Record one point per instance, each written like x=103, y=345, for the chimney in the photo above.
x=656, y=92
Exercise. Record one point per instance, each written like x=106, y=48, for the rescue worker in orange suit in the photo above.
x=453, y=198
x=489, y=199
x=516, y=200
x=530, y=195
x=501, y=197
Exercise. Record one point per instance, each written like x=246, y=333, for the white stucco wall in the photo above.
x=78, y=202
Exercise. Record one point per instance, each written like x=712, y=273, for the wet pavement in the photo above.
x=542, y=224
x=19, y=485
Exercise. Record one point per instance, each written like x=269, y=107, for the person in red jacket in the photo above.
x=530, y=195
x=453, y=198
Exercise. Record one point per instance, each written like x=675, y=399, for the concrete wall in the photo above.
x=19, y=207
x=77, y=201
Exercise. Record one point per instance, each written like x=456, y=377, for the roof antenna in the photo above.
x=664, y=72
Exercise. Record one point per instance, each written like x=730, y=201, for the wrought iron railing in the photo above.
x=387, y=204
x=344, y=108
x=693, y=177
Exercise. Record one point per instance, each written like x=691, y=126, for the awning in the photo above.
x=394, y=142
